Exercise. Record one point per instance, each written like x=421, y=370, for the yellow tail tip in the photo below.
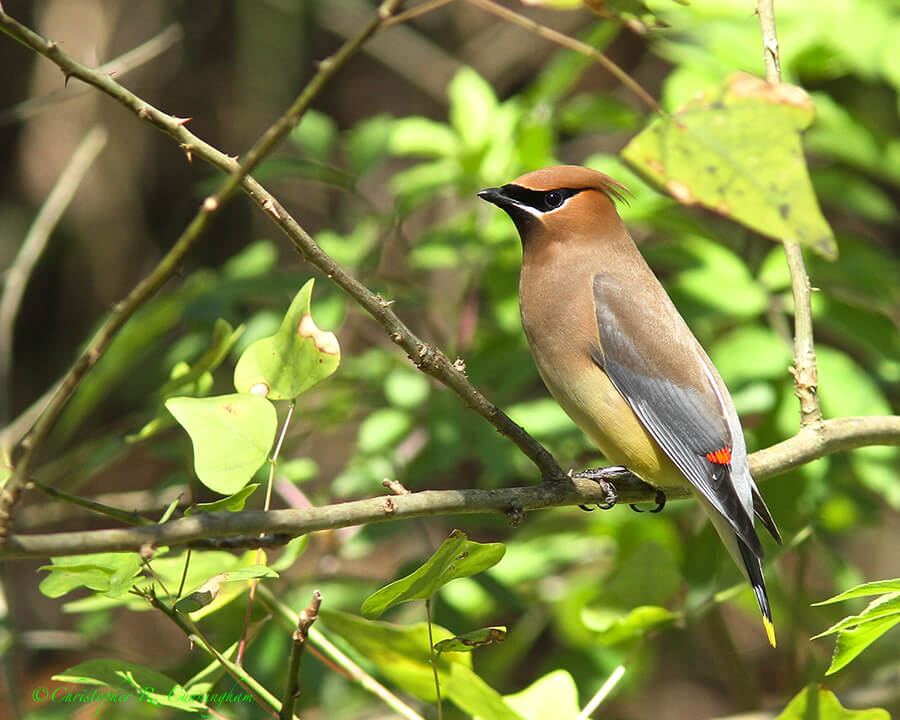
x=770, y=630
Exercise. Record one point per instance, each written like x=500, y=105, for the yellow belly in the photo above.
x=592, y=401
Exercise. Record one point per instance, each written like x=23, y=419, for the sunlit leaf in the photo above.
x=231, y=434
x=554, y=695
x=456, y=557
x=297, y=357
x=143, y=682
x=612, y=630
x=736, y=150
x=816, y=703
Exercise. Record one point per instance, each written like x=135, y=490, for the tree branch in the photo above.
x=167, y=267
x=810, y=443
x=805, y=370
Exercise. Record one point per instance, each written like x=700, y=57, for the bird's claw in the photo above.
x=660, y=503
x=602, y=476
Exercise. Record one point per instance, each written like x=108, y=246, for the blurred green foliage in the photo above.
x=581, y=594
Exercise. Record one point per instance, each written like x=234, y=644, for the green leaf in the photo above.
x=367, y=143
x=383, y=429
x=467, y=642
x=109, y=573
x=880, y=607
x=292, y=551
x=751, y=352
x=146, y=684
x=475, y=697
x=851, y=642
x=472, y=106
x=400, y=652
x=612, y=630
x=421, y=136
x=315, y=134
x=870, y=588
x=406, y=388
x=816, y=703
x=232, y=503
x=231, y=434
x=207, y=592
x=845, y=390
x=554, y=695
x=719, y=278
x=456, y=557
x=736, y=150
x=292, y=360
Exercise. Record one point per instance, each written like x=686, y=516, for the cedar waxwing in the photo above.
x=613, y=350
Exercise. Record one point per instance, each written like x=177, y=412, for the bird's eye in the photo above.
x=553, y=199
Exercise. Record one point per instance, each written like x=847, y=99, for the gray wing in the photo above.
x=661, y=386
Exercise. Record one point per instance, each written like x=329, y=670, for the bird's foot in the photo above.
x=660, y=503
x=604, y=476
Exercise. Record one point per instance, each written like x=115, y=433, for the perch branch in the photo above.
x=805, y=370
x=810, y=443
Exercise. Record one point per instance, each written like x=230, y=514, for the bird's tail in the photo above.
x=753, y=569
x=745, y=559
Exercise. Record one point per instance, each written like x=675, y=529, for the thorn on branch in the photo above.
x=390, y=507
x=180, y=121
x=144, y=113
x=211, y=204
x=459, y=365
x=395, y=487
x=187, y=148
x=270, y=207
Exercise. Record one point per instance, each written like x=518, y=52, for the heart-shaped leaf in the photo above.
x=292, y=360
x=232, y=435
x=736, y=150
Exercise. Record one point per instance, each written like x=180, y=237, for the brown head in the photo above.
x=560, y=202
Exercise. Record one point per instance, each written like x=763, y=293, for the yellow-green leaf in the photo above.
x=291, y=361
x=736, y=150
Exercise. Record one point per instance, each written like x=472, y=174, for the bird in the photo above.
x=615, y=353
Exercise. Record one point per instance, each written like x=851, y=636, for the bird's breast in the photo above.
x=560, y=327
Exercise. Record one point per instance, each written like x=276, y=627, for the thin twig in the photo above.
x=414, y=12
x=33, y=246
x=298, y=645
x=125, y=516
x=125, y=63
x=167, y=267
x=289, y=618
x=602, y=693
x=573, y=44
x=433, y=660
x=242, y=645
x=805, y=370
x=189, y=627
x=809, y=444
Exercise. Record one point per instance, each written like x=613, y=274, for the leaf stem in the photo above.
x=433, y=660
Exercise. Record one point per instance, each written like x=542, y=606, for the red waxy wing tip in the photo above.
x=720, y=457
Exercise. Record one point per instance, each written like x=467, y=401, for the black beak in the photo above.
x=493, y=195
